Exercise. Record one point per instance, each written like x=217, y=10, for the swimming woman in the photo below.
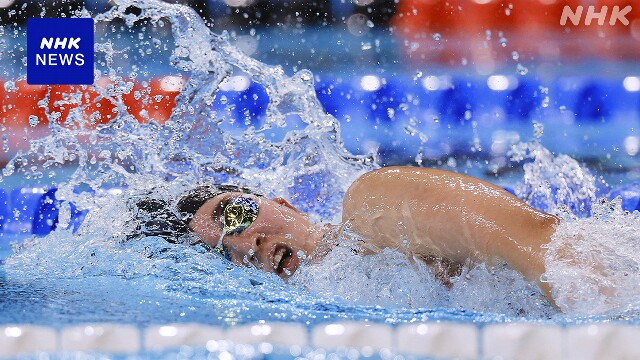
x=442, y=217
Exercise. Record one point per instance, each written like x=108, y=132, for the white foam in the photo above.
x=593, y=264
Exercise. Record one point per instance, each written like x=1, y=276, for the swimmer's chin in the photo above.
x=286, y=260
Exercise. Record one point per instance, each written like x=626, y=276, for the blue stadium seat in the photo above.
x=336, y=96
x=429, y=96
x=564, y=93
x=45, y=217
x=524, y=100
x=241, y=108
x=593, y=103
x=456, y=101
x=23, y=203
x=389, y=107
x=344, y=101
x=384, y=104
x=621, y=101
x=251, y=105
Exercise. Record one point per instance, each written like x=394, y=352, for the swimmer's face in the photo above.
x=274, y=241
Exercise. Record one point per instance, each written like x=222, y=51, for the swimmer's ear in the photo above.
x=284, y=202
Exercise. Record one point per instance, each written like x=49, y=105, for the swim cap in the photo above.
x=157, y=217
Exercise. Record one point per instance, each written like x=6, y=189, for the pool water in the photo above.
x=297, y=151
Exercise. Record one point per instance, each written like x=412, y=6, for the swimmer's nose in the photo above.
x=246, y=250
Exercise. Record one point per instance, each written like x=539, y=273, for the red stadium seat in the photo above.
x=154, y=99
x=22, y=117
x=19, y=104
x=93, y=101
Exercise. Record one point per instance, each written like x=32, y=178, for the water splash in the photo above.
x=308, y=165
x=393, y=278
x=593, y=263
x=554, y=183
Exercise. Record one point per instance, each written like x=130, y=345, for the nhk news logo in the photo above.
x=617, y=14
x=60, y=51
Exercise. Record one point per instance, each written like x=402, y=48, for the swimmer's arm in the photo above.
x=441, y=213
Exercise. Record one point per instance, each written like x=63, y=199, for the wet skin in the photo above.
x=272, y=243
x=438, y=213
x=449, y=215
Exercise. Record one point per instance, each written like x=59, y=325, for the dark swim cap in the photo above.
x=158, y=218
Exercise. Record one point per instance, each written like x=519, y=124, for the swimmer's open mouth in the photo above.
x=282, y=259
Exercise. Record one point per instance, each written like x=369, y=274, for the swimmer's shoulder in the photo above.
x=387, y=180
x=389, y=174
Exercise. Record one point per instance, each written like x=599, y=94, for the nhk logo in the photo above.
x=54, y=59
x=617, y=14
x=60, y=51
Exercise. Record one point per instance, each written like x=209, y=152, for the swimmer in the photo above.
x=444, y=218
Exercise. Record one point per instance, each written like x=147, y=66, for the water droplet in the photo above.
x=521, y=69
x=503, y=42
x=366, y=46
x=33, y=120
x=437, y=36
x=538, y=129
x=487, y=34
x=467, y=115
x=418, y=158
x=545, y=102
x=410, y=130
x=10, y=86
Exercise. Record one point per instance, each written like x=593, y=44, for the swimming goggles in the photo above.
x=238, y=214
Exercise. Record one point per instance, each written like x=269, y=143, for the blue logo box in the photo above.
x=60, y=51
